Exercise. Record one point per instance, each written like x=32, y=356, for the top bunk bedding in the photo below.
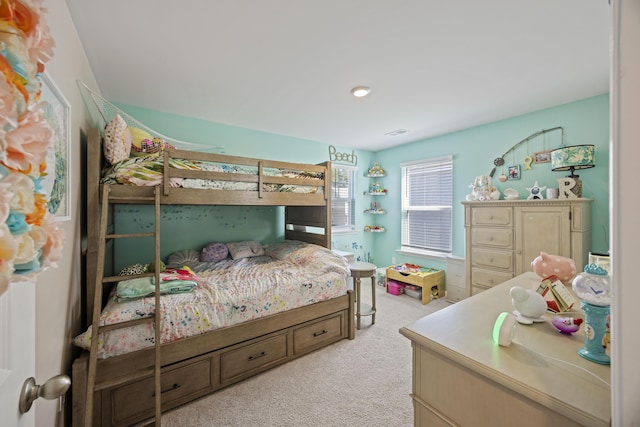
x=133, y=168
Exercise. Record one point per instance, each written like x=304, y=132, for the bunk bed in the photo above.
x=200, y=364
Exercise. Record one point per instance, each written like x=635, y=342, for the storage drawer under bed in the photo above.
x=317, y=334
x=131, y=402
x=251, y=358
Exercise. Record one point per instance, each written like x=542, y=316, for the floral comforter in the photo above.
x=148, y=171
x=290, y=274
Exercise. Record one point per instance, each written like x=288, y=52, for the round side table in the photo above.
x=360, y=270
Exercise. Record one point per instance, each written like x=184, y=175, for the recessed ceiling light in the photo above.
x=360, y=91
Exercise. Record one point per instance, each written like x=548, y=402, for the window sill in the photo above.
x=438, y=256
x=343, y=232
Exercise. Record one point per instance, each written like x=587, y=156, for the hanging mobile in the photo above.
x=499, y=161
x=527, y=159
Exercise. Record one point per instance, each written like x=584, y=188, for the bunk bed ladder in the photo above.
x=100, y=282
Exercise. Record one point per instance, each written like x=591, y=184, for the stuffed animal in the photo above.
x=547, y=265
x=482, y=189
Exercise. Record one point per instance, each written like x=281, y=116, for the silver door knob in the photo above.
x=54, y=388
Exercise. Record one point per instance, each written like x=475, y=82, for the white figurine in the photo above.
x=536, y=191
x=529, y=305
x=483, y=189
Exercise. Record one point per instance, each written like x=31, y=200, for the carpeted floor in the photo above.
x=362, y=382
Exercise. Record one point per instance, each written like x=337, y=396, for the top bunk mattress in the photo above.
x=289, y=275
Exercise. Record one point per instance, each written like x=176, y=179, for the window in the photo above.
x=427, y=194
x=343, y=202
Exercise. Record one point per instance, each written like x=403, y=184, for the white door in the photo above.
x=17, y=351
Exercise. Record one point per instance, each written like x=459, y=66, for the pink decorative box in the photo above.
x=395, y=288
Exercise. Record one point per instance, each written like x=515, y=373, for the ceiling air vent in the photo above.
x=397, y=132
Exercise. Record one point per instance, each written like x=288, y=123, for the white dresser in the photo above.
x=503, y=237
x=462, y=378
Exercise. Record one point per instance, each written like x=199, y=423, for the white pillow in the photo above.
x=245, y=249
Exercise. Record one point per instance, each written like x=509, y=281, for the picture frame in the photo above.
x=57, y=177
x=513, y=172
x=542, y=156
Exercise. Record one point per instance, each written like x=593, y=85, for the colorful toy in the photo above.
x=567, y=325
x=547, y=265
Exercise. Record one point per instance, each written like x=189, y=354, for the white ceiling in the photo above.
x=287, y=66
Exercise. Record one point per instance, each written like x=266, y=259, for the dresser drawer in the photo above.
x=492, y=258
x=492, y=216
x=253, y=357
x=317, y=334
x=179, y=385
x=487, y=278
x=495, y=237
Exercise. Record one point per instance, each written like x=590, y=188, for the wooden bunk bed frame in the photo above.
x=199, y=365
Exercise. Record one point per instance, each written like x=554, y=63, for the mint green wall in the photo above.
x=473, y=150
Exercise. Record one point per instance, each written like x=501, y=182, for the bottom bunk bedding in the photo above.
x=289, y=275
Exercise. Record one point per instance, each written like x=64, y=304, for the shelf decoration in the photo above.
x=30, y=240
x=376, y=190
x=375, y=209
x=374, y=229
x=376, y=171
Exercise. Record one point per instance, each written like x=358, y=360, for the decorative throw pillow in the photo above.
x=117, y=140
x=133, y=269
x=214, y=252
x=183, y=257
x=245, y=249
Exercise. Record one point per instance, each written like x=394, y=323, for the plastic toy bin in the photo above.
x=395, y=288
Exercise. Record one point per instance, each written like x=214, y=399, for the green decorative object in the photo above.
x=151, y=268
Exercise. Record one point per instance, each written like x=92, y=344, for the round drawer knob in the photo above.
x=491, y=239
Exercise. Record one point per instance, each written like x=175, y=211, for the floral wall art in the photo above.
x=30, y=240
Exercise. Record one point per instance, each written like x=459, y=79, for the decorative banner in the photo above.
x=335, y=156
x=29, y=238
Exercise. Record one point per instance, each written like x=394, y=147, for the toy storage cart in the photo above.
x=431, y=280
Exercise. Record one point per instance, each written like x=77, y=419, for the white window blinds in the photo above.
x=427, y=194
x=343, y=204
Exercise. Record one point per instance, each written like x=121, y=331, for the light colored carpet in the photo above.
x=365, y=381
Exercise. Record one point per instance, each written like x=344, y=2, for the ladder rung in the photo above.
x=125, y=324
x=141, y=374
x=113, y=198
x=125, y=235
x=110, y=279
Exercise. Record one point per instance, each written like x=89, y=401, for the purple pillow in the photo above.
x=214, y=252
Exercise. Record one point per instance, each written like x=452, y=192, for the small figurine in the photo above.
x=567, y=325
x=546, y=265
x=483, y=189
x=376, y=170
x=535, y=192
x=529, y=305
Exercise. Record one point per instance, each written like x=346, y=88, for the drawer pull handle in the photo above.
x=317, y=334
x=257, y=356
x=173, y=387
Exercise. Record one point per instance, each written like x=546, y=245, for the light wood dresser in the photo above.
x=503, y=237
x=462, y=378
